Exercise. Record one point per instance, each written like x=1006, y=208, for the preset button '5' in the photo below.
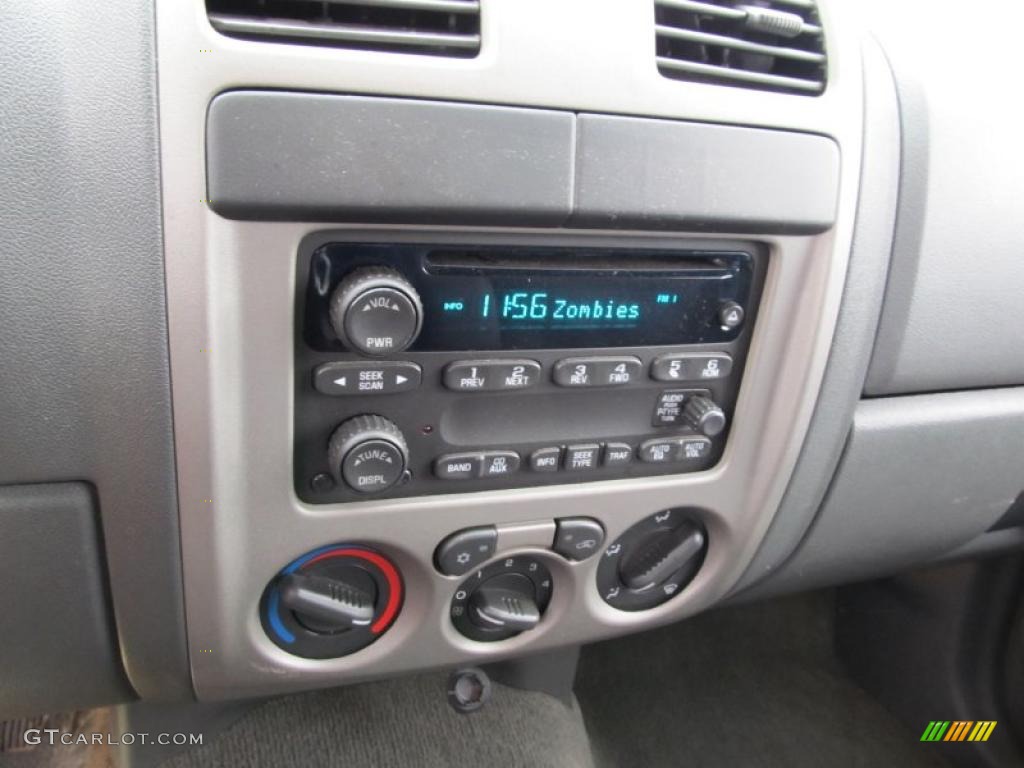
x=489, y=375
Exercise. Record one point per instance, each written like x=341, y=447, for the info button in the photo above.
x=366, y=378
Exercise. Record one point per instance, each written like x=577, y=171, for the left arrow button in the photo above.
x=366, y=378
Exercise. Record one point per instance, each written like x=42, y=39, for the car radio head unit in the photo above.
x=499, y=298
x=433, y=368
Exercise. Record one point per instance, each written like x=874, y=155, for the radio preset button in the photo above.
x=596, y=371
x=366, y=378
x=489, y=375
x=499, y=463
x=691, y=367
x=617, y=454
x=458, y=466
x=546, y=459
x=579, y=458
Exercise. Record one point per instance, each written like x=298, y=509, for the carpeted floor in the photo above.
x=403, y=723
x=756, y=686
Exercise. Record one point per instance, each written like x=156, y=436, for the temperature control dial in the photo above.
x=376, y=311
x=368, y=453
x=332, y=601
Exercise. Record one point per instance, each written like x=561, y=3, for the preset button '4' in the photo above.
x=596, y=371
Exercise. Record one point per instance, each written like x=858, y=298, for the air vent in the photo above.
x=440, y=27
x=774, y=45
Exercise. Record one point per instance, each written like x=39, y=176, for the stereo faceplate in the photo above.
x=473, y=417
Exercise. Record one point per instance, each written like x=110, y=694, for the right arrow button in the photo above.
x=366, y=378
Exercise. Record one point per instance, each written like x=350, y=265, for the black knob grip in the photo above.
x=368, y=453
x=376, y=311
x=662, y=555
x=326, y=603
x=498, y=607
x=704, y=416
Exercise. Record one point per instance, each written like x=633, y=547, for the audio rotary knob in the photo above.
x=376, y=311
x=368, y=453
x=702, y=415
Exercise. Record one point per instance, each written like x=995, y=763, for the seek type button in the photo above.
x=489, y=375
x=463, y=551
x=580, y=458
x=596, y=371
x=366, y=378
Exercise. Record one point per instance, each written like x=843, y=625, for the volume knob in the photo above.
x=368, y=453
x=704, y=416
x=376, y=311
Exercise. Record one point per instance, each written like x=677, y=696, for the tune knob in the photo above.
x=376, y=311
x=702, y=415
x=368, y=453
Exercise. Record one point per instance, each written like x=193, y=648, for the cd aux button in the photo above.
x=490, y=375
x=596, y=371
x=499, y=463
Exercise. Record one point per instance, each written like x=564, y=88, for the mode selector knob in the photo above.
x=376, y=311
x=702, y=415
x=368, y=453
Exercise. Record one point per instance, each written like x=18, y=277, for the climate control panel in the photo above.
x=424, y=369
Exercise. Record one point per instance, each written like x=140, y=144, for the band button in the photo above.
x=458, y=466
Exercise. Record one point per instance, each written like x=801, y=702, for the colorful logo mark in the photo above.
x=958, y=730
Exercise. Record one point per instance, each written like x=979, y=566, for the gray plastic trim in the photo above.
x=84, y=382
x=300, y=156
x=641, y=173
x=951, y=318
x=856, y=326
x=231, y=288
x=58, y=645
x=921, y=476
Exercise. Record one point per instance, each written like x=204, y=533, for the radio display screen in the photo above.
x=526, y=299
